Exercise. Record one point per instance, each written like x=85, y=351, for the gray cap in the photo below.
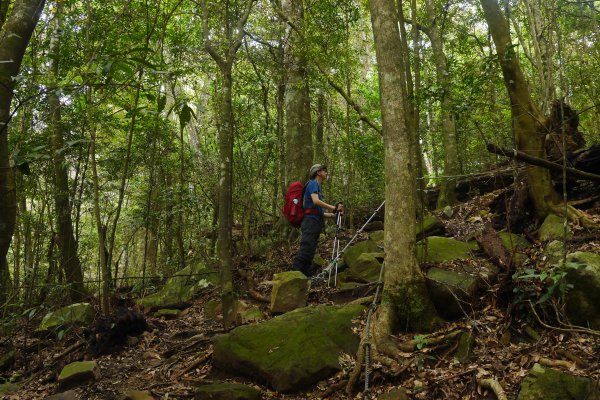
x=315, y=169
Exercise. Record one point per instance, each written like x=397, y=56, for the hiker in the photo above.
x=313, y=221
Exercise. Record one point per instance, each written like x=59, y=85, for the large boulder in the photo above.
x=452, y=293
x=550, y=384
x=291, y=351
x=553, y=228
x=78, y=373
x=353, y=252
x=227, y=391
x=76, y=314
x=366, y=268
x=290, y=291
x=437, y=249
x=180, y=289
x=583, y=300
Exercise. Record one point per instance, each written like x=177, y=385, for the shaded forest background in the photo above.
x=127, y=117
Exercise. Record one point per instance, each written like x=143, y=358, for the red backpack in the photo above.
x=293, y=208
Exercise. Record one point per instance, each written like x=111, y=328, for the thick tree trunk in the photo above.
x=299, y=149
x=528, y=121
x=405, y=302
x=14, y=37
x=69, y=260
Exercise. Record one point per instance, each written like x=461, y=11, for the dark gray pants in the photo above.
x=311, y=230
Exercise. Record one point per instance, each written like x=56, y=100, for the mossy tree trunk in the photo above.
x=528, y=120
x=14, y=37
x=405, y=303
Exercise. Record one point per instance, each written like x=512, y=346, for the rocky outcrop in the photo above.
x=550, y=384
x=290, y=291
x=291, y=351
x=180, y=289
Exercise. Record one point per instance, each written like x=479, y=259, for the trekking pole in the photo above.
x=323, y=274
x=335, y=253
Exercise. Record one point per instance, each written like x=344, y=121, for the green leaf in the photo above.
x=185, y=116
x=162, y=102
x=61, y=334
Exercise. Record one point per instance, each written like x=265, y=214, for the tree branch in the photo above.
x=237, y=40
x=526, y=158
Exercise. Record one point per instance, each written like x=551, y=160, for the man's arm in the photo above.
x=321, y=203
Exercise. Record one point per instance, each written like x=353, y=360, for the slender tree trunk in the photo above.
x=299, y=148
x=528, y=121
x=14, y=37
x=69, y=260
x=447, y=194
x=405, y=301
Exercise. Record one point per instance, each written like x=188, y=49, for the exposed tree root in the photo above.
x=556, y=363
x=494, y=386
x=574, y=215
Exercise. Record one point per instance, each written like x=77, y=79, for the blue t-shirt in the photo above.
x=313, y=187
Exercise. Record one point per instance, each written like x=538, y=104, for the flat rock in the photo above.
x=291, y=351
x=75, y=314
x=227, y=391
x=550, y=384
x=78, y=373
x=290, y=291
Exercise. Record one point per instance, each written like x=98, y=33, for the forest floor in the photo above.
x=174, y=357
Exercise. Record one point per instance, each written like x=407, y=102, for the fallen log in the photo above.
x=526, y=158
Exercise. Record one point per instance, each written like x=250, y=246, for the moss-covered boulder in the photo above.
x=213, y=309
x=377, y=237
x=452, y=293
x=364, y=269
x=290, y=291
x=353, y=252
x=7, y=360
x=515, y=244
x=554, y=251
x=250, y=314
x=394, y=394
x=138, y=395
x=180, y=289
x=430, y=223
x=78, y=373
x=167, y=313
x=8, y=388
x=553, y=228
x=227, y=391
x=464, y=351
x=550, y=384
x=583, y=300
x=437, y=249
x=75, y=314
x=291, y=351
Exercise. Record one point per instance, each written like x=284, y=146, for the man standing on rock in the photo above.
x=313, y=222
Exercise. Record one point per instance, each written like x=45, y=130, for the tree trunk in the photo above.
x=299, y=149
x=14, y=37
x=69, y=260
x=528, y=121
x=405, y=301
x=447, y=194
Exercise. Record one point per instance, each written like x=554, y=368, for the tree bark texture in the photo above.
x=451, y=165
x=14, y=37
x=528, y=121
x=69, y=260
x=405, y=298
x=299, y=149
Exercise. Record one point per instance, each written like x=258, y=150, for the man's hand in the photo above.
x=339, y=207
